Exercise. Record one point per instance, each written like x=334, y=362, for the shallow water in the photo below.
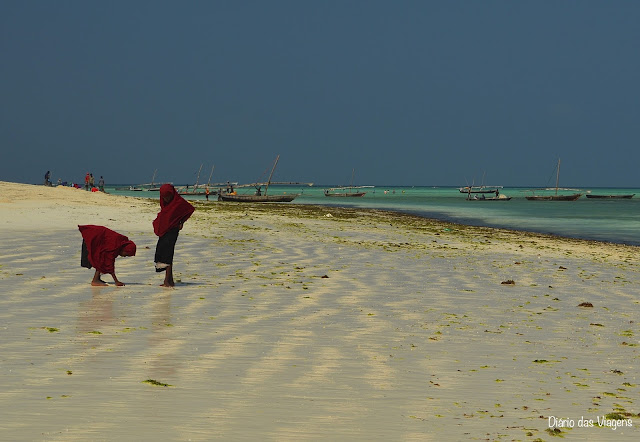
x=616, y=220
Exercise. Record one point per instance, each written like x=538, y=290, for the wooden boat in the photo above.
x=346, y=191
x=197, y=189
x=245, y=198
x=259, y=197
x=479, y=189
x=555, y=197
x=571, y=197
x=130, y=188
x=627, y=196
x=150, y=187
x=500, y=197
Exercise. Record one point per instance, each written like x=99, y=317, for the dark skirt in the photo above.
x=84, y=256
x=165, y=248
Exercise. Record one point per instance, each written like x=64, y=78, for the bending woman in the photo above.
x=100, y=248
x=174, y=211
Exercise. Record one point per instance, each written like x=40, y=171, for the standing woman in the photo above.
x=174, y=211
x=100, y=248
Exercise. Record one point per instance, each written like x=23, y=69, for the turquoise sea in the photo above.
x=614, y=220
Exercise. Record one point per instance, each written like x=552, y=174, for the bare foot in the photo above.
x=98, y=283
x=167, y=284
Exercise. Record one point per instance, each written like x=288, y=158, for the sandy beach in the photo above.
x=292, y=322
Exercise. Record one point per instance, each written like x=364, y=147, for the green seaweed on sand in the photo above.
x=554, y=432
x=614, y=416
x=156, y=383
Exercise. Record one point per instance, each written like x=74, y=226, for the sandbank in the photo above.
x=292, y=322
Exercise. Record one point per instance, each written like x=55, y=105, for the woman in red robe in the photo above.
x=174, y=211
x=100, y=248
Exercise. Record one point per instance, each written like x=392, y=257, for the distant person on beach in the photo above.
x=92, y=181
x=174, y=212
x=100, y=248
x=206, y=192
x=86, y=182
x=101, y=184
x=47, y=177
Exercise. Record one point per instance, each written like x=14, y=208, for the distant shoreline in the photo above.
x=472, y=223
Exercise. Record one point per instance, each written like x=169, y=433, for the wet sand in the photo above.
x=293, y=322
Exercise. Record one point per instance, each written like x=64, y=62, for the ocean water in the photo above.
x=615, y=220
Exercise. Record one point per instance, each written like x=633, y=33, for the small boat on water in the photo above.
x=479, y=189
x=131, y=188
x=611, y=197
x=246, y=198
x=197, y=188
x=556, y=196
x=346, y=191
x=500, y=197
x=258, y=196
x=152, y=186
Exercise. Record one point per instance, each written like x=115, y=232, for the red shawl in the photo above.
x=104, y=245
x=173, y=213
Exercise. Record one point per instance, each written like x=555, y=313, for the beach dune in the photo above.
x=292, y=322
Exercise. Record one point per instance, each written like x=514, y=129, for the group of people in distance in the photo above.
x=89, y=183
x=101, y=246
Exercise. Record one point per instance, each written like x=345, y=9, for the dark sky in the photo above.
x=406, y=92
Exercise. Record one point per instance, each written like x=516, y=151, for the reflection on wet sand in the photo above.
x=96, y=314
x=163, y=349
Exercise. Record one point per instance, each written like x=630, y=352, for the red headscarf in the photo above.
x=104, y=245
x=173, y=213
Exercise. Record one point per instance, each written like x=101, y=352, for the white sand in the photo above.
x=411, y=336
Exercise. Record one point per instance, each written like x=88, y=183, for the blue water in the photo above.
x=613, y=220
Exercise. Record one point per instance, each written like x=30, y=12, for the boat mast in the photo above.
x=557, y=176
x=353, y=171
x=210, y=175
x=153, y=178
x=271, y=174
x=197, y=178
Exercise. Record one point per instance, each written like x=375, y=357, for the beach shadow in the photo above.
x=180, y=284
x=184, y=284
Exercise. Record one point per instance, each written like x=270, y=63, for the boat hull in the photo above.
x=258, y=198
x=346, y=195
x=478, y=189
x=611, y=196
x=573, y=197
